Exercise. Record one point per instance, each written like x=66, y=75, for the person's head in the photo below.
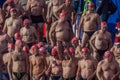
x=68, y=2
x=118, y=26
x=72, y=51
x=10, y=2
x=62, y=16
x=117, y=42
x=35, y=49
x=74, y=42
x=13, y=12
x=54, y=52
x=66, y=55
x=85, y=53
x=18, y=45
x=26, y=23
x=25, y=49
x=103, y=26
x=40, y=44
x=17, y=36
x=42, y=51
x=108, y=56
x=90, y=6
x=10, y=47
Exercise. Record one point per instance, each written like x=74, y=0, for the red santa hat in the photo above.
x=117, y=40
x=118, y=25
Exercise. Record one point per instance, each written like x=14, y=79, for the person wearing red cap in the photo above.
x=17, y=36
x=18, y=63
x=38, y=65
x=88, y=23
x=108, y=68
x=68, y=9
x=61, y=33
x=28, y=33
x=52, y=7
x=6, y=57
x=12, y=4
x=69, y=64
x=37, y=11
x=86, y=66
x=101, y=41
x=55, y=67
x=12, y=24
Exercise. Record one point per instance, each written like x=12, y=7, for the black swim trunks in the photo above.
x=37, y=19
x=89, y=33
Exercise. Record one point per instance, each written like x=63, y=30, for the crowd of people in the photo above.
x=25, y=54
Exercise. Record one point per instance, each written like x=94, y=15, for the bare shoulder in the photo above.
x=96, y=14
x=100, y=63
x=108, y=33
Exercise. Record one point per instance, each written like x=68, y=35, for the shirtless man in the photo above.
x=69, y=66
x=2, y=17
x=12, y=24
x=55, y=67
x=88, y=22
x=86, y=66
x=99, y=39
x=4, y=39
x=11, y=4
x=28, y=33
x=116, y=50
x=18, y=63
x=108, y=68
x=68, y=9
x=61, y=33
x=36, y=9
x=6, y=57
x=38, y=65
x=52, y=7
x=77, y=47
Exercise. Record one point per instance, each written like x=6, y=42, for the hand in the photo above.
x=47, y=73
x=49, y=20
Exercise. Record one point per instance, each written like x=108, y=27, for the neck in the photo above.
x=102, y=31
x=89, y=11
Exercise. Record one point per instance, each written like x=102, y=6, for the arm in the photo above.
x=45, y=64
x=92, y=41
x=28, y=7
x=36, y=35
x=80, y=25
x=110, y=42
x=27, y=64
x=73, y=16
x=59, y=10
x=98, y=71
x=52, y=34
x=31, y=68
x=78, y=75
x=117, y=73
x=5, y=27
x=94, y=68
x=98, y=21
x=44, y=10
x=49, y=9
x=9, y=68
